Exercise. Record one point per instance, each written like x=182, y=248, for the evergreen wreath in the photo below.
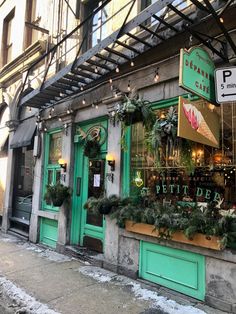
x=91, y=148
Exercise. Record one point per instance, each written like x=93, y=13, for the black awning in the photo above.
x=24, y=133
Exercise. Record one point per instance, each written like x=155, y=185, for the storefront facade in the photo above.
x=80, y=138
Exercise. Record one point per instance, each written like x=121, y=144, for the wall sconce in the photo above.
x=62, y=163
x=111, y=161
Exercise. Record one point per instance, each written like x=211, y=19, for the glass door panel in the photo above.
x=96, y=188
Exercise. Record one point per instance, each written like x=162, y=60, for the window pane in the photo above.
x=58, y=176
x=50, y=177
x=55, y=148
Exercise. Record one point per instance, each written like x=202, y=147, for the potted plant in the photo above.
x=57, y=194
x=103, y=205
x=134, y=109
x=91, y=148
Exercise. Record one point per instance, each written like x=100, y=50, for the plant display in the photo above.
x=102, y=205
x=57, y=194
x=134, y=110
x=168, y=219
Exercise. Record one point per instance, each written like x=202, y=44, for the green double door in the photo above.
x=87, y=228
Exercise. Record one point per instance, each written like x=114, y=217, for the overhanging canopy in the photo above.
x=24, y=133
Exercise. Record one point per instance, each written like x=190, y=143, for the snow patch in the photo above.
x=55, y=257
x=46, y=253
x=22, y=299
x=160, y=302
x=97, y=273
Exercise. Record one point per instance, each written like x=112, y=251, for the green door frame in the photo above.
x=78, y=219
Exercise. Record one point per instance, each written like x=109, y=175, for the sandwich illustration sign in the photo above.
x=198, y=123
x=196, y=73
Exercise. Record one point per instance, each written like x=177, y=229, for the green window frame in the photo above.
x=126, y=156
x=52, y=171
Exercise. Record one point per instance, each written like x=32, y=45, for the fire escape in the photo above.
x=154, y=25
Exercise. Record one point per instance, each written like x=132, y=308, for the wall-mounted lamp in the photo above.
x=62, y=163
x=111, y=161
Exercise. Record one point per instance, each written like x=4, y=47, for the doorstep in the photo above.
x=85, y=255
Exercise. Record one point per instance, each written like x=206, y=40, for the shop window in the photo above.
x=53, y=150
x=186, y=171
x=30, y=16
x=7, y=39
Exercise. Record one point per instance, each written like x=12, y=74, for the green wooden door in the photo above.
x=52, y=175
x=179, y=270
x=90, y=181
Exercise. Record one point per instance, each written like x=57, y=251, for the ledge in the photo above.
x=23, y=61
x=49, y=215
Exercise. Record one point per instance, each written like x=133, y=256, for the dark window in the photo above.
x=7, y=38
x=96, y=29
x=29, y=19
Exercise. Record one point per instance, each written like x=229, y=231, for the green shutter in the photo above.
x=49, y=232
x=179, y=270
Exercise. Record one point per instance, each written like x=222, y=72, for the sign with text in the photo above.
x=225, y=84
x=196, y=73
x=197, y=122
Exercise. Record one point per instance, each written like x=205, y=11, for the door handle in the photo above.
x=78, y=186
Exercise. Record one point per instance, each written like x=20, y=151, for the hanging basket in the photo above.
x=105, y=209
x=57, y=202
x=91, y=149
x=133, y=117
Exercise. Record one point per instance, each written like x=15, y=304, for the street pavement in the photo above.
x=37, y=280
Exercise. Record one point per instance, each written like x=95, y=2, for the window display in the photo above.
x=173, y=170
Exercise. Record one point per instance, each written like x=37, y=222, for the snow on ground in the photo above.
x=20, y=298
x=46, y=253
x=160, y=302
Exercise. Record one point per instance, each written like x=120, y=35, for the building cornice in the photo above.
x=22, y=62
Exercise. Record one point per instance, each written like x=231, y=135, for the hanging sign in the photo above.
x=197, y=122
x=225, y=79
x=196, y=73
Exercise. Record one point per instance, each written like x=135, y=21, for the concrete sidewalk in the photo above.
x=38, y=280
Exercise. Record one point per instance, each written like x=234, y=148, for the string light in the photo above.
x=84, y=101
x=81, y=88
x=68, y=110
x=93, y=105
x=132, y=63
x=59, y=119
x=116, y=94
x=30, y=109
x=156, y=77
x=50, y=115
x=96, y=70
x=221, y=20
x=110, y=80
x=53, y=109
x=96, y=106
x=117, y=69
x=128, y=87
x=45, y=129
